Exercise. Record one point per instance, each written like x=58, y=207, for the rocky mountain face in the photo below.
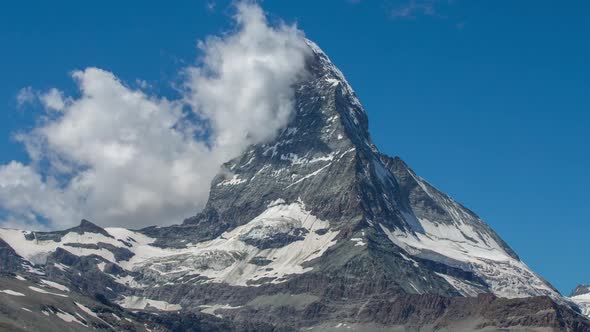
x=314, y=230
x=581, y=297
x=581, y=290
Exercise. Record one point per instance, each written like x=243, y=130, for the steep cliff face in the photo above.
x=313, y=229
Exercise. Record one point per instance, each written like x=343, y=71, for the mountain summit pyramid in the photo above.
x=370, y=206
x=313, y=230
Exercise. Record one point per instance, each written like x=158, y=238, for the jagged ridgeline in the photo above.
x=315, y=230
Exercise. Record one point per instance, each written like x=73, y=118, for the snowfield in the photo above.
x=583, y=301
x=460, y=244
x=233, y=257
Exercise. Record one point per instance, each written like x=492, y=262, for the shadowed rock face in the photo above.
x=9, y=260
x=313, y=229
x=581, y=290
x=485, y=310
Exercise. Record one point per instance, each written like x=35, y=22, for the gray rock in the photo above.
x=84, y=227
x=580, y=290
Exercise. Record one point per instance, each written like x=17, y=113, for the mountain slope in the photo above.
x=37, y=304
x=444, y=231
x=313, y=229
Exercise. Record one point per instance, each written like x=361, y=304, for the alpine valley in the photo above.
x=314, y=231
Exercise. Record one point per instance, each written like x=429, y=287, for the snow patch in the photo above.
x=55, y=285
x=66, y=317
x=276, y=202
x=358, y=242
x=211, y=309
x=136, y=302
x=333, y=82
x=87, y=310
x=235, y=180
x=309, y=175
x=42, y=291
x=11, y=292
x=296, y=160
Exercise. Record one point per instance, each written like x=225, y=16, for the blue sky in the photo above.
x=488, y=100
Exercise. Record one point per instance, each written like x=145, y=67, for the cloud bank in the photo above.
x=120, y=156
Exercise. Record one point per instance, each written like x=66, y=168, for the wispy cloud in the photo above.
x=414, y=8
x=25, y=96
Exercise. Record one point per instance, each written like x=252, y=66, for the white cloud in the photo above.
x=21, y=187
x=246, y=80
x=24, y=96
x=53, y=99
x=119, y=156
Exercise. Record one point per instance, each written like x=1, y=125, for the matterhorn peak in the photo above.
x=307, y=230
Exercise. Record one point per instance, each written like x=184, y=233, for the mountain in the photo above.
x=581, y=297
x=580, y=290
x=313, y=230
